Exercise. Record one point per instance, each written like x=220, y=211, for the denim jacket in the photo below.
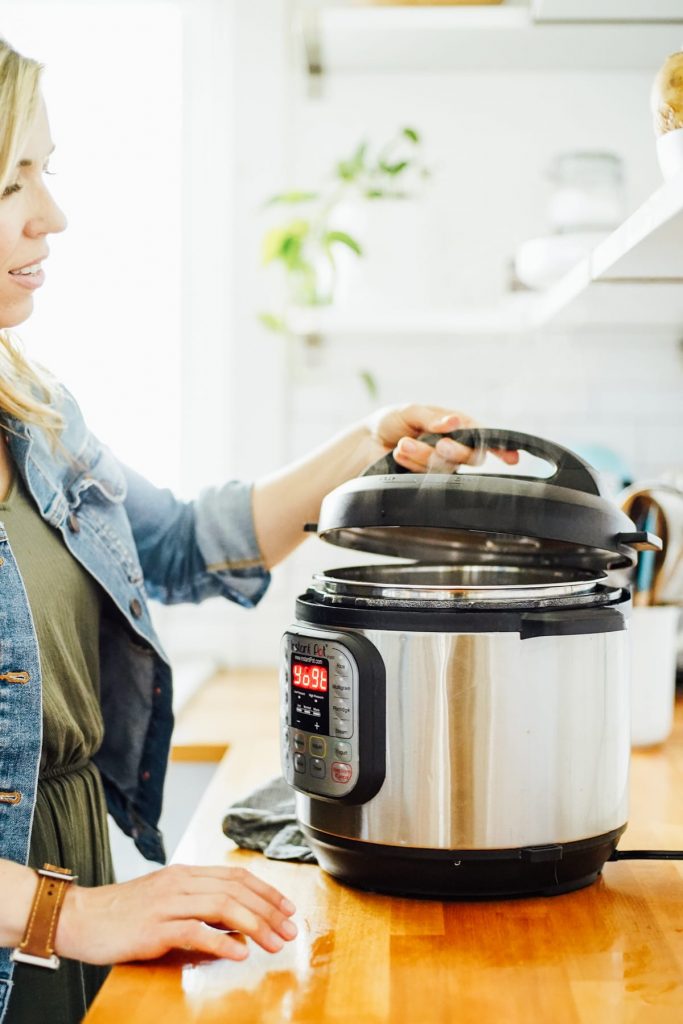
x=138, y=542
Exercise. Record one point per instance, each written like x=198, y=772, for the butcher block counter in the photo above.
x=610, y=953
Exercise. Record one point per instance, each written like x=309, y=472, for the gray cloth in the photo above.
x=265, y=821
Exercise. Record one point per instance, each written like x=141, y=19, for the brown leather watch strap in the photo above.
x=37, y=946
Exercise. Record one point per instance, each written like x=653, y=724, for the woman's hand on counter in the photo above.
x=178, y=907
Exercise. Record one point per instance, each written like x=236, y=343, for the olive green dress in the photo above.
x=70, y=823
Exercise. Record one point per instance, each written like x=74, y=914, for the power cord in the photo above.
x=647, y=855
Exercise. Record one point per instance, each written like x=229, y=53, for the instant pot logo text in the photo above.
x=318, y=650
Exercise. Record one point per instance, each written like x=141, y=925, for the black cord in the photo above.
x=647, y=855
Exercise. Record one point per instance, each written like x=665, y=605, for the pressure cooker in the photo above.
x=456, y=724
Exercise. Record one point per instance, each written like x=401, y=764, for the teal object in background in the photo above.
x=614, y=471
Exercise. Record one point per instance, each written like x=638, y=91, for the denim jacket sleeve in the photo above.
x=193, y=550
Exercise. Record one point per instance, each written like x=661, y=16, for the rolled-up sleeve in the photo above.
x=224, y=525
x=192, y=550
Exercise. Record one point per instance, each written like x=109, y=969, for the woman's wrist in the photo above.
x=68, y=929
x=364, y=447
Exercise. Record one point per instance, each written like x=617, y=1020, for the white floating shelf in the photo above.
x=649, y=244
x=633, y=278
x=607, y=10
x=505, y=37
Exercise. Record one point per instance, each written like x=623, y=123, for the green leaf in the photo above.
x=411, y=134
x=273, y=322
x=291, y=249
x=393, y=168
x=298, y=228
x=271, y=248
x=285, y=243
x=359, y=155
x=292, y=197
x=344, y=239
x=348, y=170
x=370, y=382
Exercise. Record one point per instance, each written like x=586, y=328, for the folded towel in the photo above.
x=266, y=821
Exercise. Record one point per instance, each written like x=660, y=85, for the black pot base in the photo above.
x=464, y=874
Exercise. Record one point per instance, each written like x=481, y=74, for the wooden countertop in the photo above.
x=611, y=953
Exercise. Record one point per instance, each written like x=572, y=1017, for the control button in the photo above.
x=317, y=768
x=342, y=729
x=343, y=667
x=341, y=772
x=299, y=743
x=299, y=763
x=342, y=751
x=342, y=709
x=317, y=746
x=341, y=689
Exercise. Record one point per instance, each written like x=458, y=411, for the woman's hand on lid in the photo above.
x=208, y=909
x=398, y=428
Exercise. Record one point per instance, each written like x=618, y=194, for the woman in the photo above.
x=85, y=697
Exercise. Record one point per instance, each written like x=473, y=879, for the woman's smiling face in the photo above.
x=28, y=214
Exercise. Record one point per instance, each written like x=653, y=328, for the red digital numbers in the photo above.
x=309, y=677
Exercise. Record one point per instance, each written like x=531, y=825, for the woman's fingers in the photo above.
x=276, y=918
x=452, y=451
x=232, y=912
x=511, y=457
x=197, y=936
x=447, y=421
x=219, y=876
x=419, y=457
x=235, y=898
x=445, y=456
x=418, y=419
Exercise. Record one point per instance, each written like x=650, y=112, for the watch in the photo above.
x=37, y=945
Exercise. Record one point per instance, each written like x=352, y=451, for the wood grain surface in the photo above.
x=609, y=954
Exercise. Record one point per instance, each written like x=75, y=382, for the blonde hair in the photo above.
x=667, y=95
x=27, y=392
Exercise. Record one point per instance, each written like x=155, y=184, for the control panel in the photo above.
x=332, y=702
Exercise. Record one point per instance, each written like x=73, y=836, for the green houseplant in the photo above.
x=307, y=245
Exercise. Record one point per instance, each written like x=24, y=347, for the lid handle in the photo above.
x=570, y=470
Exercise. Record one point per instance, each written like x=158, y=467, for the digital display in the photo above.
x=309, y=695
x=309, y=677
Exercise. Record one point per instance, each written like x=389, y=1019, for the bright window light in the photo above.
x=108, y=320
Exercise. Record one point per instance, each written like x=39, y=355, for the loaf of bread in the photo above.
x=667, y=95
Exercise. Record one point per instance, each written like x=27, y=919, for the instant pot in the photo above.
x=457, y=724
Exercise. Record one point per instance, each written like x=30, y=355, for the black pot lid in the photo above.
x=451, y=518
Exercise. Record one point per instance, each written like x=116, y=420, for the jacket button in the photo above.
x=135, y=608
x=145, y=776
x=12, y=797
x=74, y=524
x=15, y=677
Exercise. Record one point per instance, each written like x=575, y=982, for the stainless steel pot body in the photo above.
x=494, y=742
